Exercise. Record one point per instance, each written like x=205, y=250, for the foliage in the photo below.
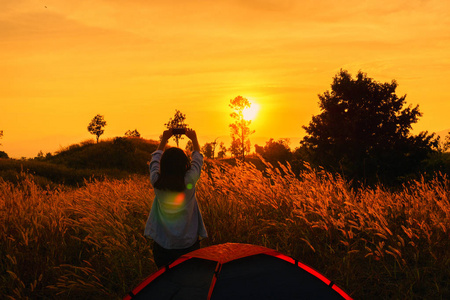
x=363, y=131
x=48, y=174
x=121, y=153
x=240, y=129
x=3, y=154
x=446, y=144
x=275, y=151
x=222, y=150
x=116, y=158
x=88, y=243
x=133, y=133
x=96, y=126
x=177, y=122
x=207, y=150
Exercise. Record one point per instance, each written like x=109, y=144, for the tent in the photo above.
x=236, y=271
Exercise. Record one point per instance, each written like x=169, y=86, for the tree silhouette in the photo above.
x=363, y=130
x=240, y=129
x=177, y=122
x=2, y=154
x=207, y=150
x=133, y=133
x=222, y=150
x=446, y=145
x=96, y=126
x=275, y=151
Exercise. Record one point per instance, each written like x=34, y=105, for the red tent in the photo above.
x=236, y=271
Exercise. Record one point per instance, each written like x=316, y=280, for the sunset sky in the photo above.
x=136, y=61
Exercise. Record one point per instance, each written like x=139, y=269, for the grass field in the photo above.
x=88, y=243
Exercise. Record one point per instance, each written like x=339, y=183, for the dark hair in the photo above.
x=173, y=166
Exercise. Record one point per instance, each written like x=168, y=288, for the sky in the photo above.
x=136, y=61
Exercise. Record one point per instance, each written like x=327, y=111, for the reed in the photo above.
x=88, y=242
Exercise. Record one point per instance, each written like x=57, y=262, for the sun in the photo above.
x=251, y=112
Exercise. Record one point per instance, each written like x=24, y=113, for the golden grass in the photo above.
x=88, y=242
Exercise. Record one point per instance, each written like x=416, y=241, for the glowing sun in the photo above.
x=251, y=112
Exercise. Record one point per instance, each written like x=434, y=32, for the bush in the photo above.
x=3, y=154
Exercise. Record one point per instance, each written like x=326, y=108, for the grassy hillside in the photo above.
x=126, y=154
x=115, y=158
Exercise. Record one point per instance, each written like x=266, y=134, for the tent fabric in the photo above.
x=236, y=271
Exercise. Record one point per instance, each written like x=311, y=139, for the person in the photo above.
x=175, y=223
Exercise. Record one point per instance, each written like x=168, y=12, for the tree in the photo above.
x=275, y=151
x=363, y=130
x=133, y=133
x=240, y=129
x=96, y=126
x=214, y=145
x=222, y=150
x=446, y=144
x=2, y=153
x=40, y=155
x=177, y=122
x=207, y=150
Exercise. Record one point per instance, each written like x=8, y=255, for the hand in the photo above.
x=167, y=134
x=164, y=138
x=191, y=134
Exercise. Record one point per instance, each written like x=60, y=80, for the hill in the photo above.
x=121, y=153
x=115, y=158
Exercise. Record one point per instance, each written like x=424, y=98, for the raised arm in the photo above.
x=167, y=134
x=190, y=133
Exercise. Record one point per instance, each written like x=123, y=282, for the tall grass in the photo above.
x=88, y=242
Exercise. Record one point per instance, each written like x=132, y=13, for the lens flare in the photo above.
x=179, y=199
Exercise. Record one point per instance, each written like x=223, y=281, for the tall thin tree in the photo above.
x=240, y=129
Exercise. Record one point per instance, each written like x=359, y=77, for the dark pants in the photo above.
x=163, y=256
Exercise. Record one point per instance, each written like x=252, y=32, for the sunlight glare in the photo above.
x=251, y=112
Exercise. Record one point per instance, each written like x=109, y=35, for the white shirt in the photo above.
x=175, y=221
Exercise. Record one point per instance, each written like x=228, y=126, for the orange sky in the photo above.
x=136, y=61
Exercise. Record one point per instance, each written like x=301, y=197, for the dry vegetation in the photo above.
x=88, y=242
